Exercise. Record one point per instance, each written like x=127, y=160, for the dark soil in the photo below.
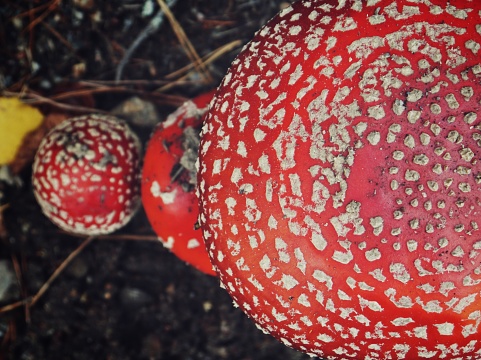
x=122, y=297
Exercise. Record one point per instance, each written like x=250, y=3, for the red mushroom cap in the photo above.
x=340, y=179
x=168, y=183
x=86, y=174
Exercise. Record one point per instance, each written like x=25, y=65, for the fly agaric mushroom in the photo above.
x=340, y=179
x=86, y=174
x=168, y=182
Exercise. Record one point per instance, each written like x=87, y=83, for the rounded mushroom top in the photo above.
x=340, y=182
x=86, y=174
x=168, y=182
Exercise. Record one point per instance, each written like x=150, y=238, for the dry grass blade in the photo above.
x=91, y=88
x=123, y=237
x=40, y=18
x=31, y=301
x=184, y=73
x=208, y=59
x=59, y=270
x=185, y=42
x=31, y=98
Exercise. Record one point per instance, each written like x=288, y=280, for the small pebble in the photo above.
x=131, y=296
x=7, y=280
x=137, y=112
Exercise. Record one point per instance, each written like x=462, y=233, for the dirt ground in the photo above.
x=123, y=297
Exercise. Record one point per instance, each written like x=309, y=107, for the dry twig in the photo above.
x=152, y=27
x=185, y=42
x=185, y=72
x=29, y=302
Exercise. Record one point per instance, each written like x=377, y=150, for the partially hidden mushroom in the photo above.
x=339, y=179
x=86, y=174
x=169, y=179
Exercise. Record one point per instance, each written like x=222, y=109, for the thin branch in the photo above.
x=59, y=270
x=38, y=99
x=208, y=59
x=40, y=18
x=151, y=28
x=185, y=42
x=123, y=237
x=31, y=301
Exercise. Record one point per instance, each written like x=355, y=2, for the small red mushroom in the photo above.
x=86, y=174
x=168, y=182
x=340, y=179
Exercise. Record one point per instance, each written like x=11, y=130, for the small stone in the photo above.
x=131, y=296
x=78, y=268
x=7, y=280
x=137, y=112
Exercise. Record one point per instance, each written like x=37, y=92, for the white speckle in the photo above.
x=445, y=329
x=412, y=175
x=378, y=275
x=377, y=112
x=256, y=283
x=241, y=149
x=377, y=19
x=421, y=332
x=373, y=305
x=373, y=254
x=296, y=75
x=304, y=300
x=414, y=95
x=470, y=118
x=400, y=272
x=295, y=181
x=322, y=277
x=344, y=24
x=464, y=303
x=402, y=321
x=301, y=262
x=231, y=203
x=343, y=257
x=236, y=175
x=374, y=137
x=278, y=316
x=398, y=107
x=325, y=338
x=272, y=222
x=318, y=241
x=343, y=296
x=264, y=164
x=281, y=247
x=167, y=197
x=288, y=282
x=267, y=267
x=377, y=224
x=458, y=252
x=193, y=243
x=169, y=243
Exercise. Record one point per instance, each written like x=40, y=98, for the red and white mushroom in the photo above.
x=340, y=179
x=169, y=179
x=86, y=174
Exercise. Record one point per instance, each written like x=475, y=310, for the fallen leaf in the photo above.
x=16, y=120
x=31, y=141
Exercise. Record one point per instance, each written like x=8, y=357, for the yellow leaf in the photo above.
x=16, y=120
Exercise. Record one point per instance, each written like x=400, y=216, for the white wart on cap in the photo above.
x=86, y=174
x=340, y=179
